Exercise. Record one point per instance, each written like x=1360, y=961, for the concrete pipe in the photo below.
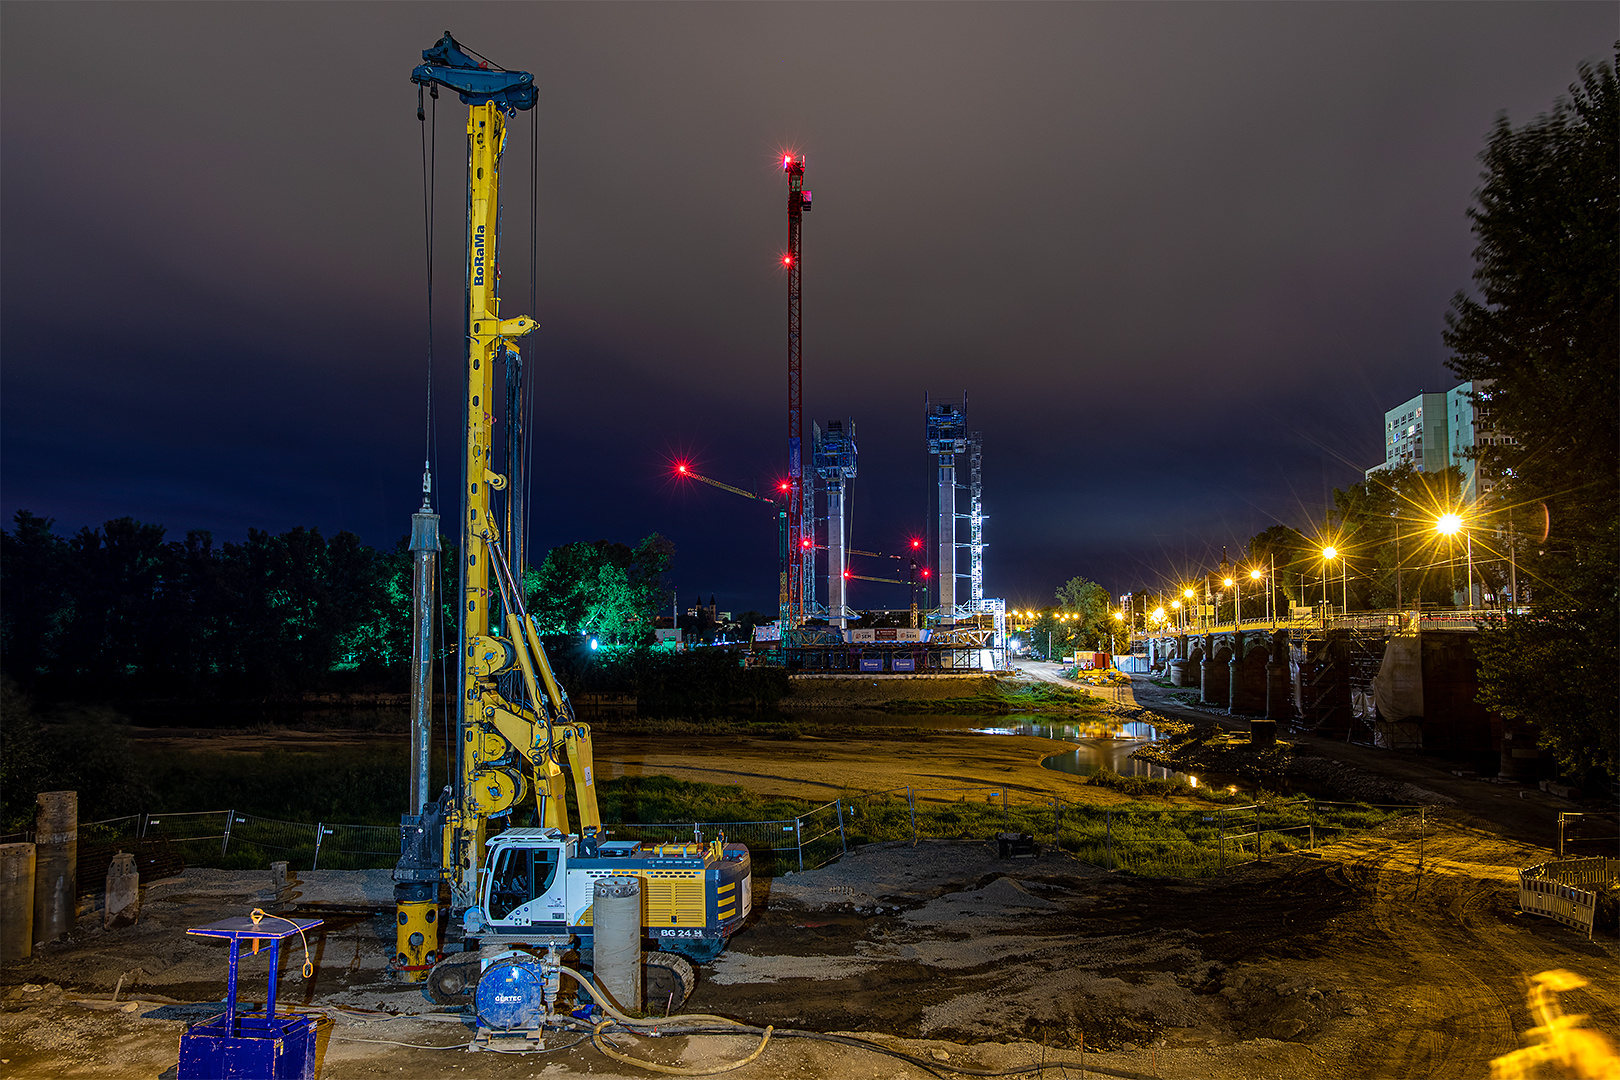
x=16, y=901
x=56, y=865
x=616, y=945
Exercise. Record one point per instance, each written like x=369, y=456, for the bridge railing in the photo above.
x=1389, y=619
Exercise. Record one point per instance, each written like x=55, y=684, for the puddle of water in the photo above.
x=1097, y=746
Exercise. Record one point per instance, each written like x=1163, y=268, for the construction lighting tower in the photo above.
x=801, y=535
x=834, y=455
x=947, y=437
x=975, y=519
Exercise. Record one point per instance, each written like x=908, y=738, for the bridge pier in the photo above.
x=1247, y=675
x=1215, y=687
x=1279, y=680
x=1325, y=678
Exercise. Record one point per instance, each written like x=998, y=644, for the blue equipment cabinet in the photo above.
x=244, y=1045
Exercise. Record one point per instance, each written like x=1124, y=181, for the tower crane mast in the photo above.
x=800, y=534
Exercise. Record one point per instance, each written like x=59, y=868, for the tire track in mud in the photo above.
x=1459, y=1014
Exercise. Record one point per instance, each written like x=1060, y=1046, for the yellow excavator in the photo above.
x=520, y=892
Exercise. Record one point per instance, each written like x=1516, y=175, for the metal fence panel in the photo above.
x=1160, y=841
x=192, y=825
x=256, y=840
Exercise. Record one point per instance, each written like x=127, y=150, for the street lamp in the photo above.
x=1113, y=645
x=1237, y=601
x=1329, y=554
x=1256, y=575
x=1448, y=525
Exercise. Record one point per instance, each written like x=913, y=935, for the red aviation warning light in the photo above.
x=915, y=543
x=680, y=467
x=925, y=571
x=787, y=260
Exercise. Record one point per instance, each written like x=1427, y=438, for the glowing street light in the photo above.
x=1258, y=575
x=1448, y=525
x=1328, y=555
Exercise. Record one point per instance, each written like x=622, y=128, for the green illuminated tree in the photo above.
x=602, y=588
x=1545, y=326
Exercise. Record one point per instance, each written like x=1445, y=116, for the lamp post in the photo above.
x=1397, y=517
x=1328, y=555
x=1237, y=600
x=1448, y=525
x=1113, y=646
x=1256, y=575
x=1513, y=562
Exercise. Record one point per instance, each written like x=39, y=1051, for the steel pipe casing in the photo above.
x=616, y=933
x=16, y=901
x=56, y=865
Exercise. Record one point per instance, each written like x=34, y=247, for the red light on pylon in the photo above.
x=787, y=161
x=846, y=573
x=787, y=260
x=783, y=486
x=680, y=467
x=925, y=571
x=915, y=543
x=804, y=544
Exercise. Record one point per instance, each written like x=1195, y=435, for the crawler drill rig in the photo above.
x=522, y=896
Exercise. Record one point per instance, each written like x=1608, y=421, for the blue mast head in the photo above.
x=476, y=80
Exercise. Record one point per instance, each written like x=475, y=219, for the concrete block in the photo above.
x=123, y=892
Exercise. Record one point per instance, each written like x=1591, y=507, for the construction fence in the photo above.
x=1138, y=839
x=1567, y=890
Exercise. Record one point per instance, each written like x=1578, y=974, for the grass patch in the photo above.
x=279, y=796
x=1139, y=838
x=1154, y=787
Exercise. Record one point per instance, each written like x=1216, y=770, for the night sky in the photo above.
x=1181, y=258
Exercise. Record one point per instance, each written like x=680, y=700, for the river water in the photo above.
x=1096, y=746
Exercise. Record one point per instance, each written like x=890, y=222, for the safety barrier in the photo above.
x=1554, y=889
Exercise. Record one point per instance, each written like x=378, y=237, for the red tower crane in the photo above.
x=800, y=541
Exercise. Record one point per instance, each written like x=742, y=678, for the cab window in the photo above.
x=520, y=875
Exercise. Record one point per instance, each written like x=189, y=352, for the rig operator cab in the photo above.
x=539, y=882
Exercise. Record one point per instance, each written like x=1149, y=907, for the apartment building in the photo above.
x=1431, y=432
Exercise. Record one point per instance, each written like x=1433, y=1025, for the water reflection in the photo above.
x=1089, y=758
x=1099, y=746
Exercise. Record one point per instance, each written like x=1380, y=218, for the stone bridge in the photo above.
x=1248, y=672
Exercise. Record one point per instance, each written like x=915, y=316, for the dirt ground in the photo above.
x=1353, y=961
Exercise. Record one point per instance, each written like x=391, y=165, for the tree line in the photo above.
x=122, y=611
